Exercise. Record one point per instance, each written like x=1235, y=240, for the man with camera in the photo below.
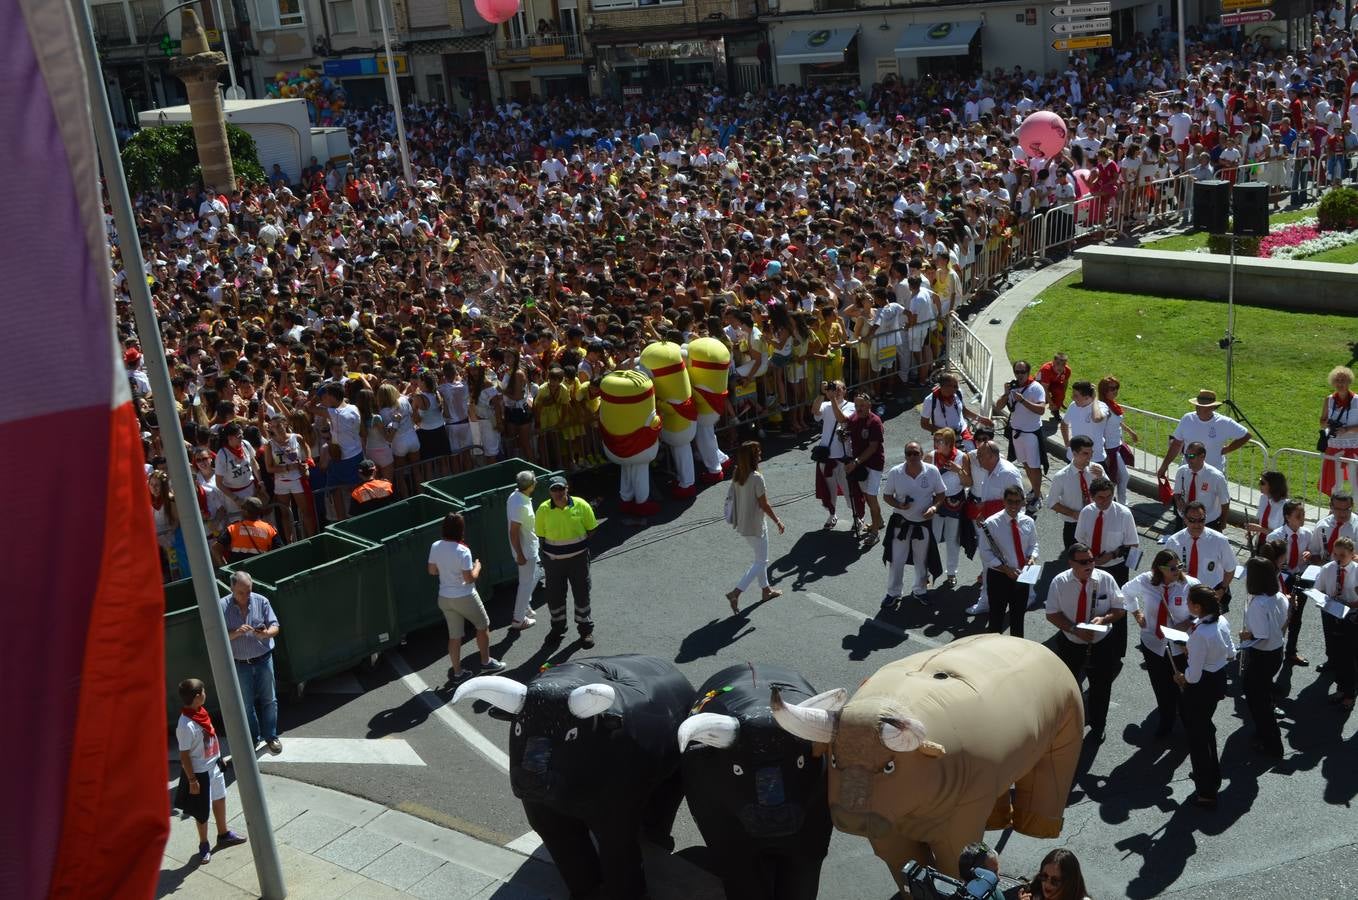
x=833, y=452
x=1026, y=401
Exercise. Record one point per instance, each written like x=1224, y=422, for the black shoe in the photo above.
x=587, y=641
x=1163, y=731
x=889, y=602
x=1203, y=802
x=555, y=636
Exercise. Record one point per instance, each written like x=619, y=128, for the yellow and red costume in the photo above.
x=631, y=436
x=677, y=409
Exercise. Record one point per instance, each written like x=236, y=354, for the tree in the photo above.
x=166, y=156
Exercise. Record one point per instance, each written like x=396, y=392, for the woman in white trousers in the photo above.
x=747, y=505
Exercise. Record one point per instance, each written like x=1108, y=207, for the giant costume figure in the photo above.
x=709, y=365
x=756, y=791
x=592, y=754
x=923, y=756
x=678, y=412
x=631, y=435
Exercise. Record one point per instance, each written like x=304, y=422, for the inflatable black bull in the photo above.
x=592, y=752
x=759, y=798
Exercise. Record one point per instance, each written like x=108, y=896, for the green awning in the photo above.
x=823, y=45
x=938, y=39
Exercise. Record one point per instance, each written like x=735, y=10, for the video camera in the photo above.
x=927, y=883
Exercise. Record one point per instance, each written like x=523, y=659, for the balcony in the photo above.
x=539, y=48
x=835, y=5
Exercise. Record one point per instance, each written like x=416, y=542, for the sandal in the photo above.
x=733, y=598
x=774, y=594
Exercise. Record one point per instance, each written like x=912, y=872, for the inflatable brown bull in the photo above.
x=923, y=756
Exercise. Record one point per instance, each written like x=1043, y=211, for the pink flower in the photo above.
x=1287, y=236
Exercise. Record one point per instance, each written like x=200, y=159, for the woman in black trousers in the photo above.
x=1203, y=679
x=1261, y=648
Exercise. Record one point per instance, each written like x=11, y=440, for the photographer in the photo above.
x=1339, y=432
x=978, y=868
x=832, y=453
x=1026, y=401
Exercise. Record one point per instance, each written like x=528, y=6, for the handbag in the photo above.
x=1323, y=440
x=1166, y=491
x=729, y=512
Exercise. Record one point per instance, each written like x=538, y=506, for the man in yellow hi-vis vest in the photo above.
x=564, y=524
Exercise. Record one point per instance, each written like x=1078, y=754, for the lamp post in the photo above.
x=394, y=94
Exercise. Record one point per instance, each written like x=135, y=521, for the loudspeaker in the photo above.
x=1211, y=206
x=1249, y=207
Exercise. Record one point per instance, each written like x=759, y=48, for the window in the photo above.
x=342, y=19
x=145, y=13
x=110, y=25
x=631, y=4
x=434, y=87
x=279, y=14
x=375, y=13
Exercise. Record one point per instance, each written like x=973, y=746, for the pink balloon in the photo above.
x=497, y=11
x=1042, y=134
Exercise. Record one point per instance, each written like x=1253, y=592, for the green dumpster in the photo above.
x=489, y=488
x=186, y=648
x=404, y=531
x=332, y=600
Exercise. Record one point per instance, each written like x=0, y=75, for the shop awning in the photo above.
x=938, y=39
x=823, y=45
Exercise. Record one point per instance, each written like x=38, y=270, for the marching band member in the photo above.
x=1160, y=599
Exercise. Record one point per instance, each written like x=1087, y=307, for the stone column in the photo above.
x=198, y=66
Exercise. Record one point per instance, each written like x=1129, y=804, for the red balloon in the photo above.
x=497, y=11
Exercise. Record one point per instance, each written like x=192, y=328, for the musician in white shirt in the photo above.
x=1068, y=492
x=1203, y=679
x=1337, y=580
x=1085, y=596
x=1261, y=651
x=1108, y=529
x=1272, y=496
x=1206, y=553
x=1196, y=480
x=1338, y=524
x=1008, y=544
x=1296, y=536
x=1159, y=599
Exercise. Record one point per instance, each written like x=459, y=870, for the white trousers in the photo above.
x=706, y=439
x=529, y=576
x=634, y=482
x=945, y=533
x=919, y=551
x=759, y=569
x=683, y=463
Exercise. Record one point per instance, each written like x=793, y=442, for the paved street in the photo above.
x=1285, y=829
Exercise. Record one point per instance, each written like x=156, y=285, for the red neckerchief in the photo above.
x=200, y=716
x=941, y=458
x=238, y=453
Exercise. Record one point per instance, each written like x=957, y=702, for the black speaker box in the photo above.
x=1211, y=206
x=1249, y=208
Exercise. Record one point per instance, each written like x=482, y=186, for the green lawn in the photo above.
x=1164, y=350
x=1196, y=239
x=1347, y=254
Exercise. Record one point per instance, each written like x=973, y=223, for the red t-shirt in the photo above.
x=862, y=432
x=1055, y=384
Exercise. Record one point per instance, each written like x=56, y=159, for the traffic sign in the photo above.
x=1247, y=17
x=1082, y=26
x=1244, y=4
x=1075, y=10
x=1089, y=42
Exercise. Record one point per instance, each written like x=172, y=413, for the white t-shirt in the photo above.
x=344, y=430
x=1021, y=418
x=203, y=750
x=918, y=489
x=452, y=558
x=1080, y=420
x=839, y=449
x=1215, y=433
x=519, y=508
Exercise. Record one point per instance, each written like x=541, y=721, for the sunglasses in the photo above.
x=1198, y=521
x=1171, y=567
x=1085, y=561
x=912, y=453
x=1191, y=455
x=1053, y=880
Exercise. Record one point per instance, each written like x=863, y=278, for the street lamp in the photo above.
x=394, y=95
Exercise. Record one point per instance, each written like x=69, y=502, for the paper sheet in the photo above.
x=1029, y=575
x=1333, y=607
x=1311, y=573
x=1174, y=634
x=1133, y=559
x=1096, y=629
x=1239, y=571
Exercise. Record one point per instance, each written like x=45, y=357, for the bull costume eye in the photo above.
x=801, y=762
x=573, y=734
x=518, y=729
x=889, y=767
x=736, y=769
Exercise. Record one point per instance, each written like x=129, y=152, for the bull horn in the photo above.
x=497, y=690
x=808, y=722
x=711, y=729
x=588, y=700
x=903, y=735
x=833, y=700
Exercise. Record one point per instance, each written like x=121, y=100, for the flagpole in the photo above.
x=268, y=867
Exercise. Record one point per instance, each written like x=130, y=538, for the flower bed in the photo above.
x=1303, y=239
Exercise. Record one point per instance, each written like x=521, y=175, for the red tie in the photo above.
x=1292, y=554
x=1192, y=487
x=1018, y=544
x=1162, y=617
x=1268, y=511
x=1282, y=585
x=1081, y=610
x=1084, y=490
x=1329, y=543
x=1096, y=543
x=1193, y=559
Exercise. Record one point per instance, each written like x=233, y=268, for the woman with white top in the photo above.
x=430, y=430
x=457, y=571
x=749, y=506
x=399, y=420
x=457, y=402
x=1272, y=496
x=285, y=458
x=1261, y=651
x=1160, y=596
x=488, y=410
x=1337, y=580
x=376, y=437
x=947, y=522
x=1203, y=679
x=1339, y=419
x=1118, y=458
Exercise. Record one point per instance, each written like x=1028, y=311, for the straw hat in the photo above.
x=1207, y=399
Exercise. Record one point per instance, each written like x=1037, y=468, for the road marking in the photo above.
x=446, y=714
x=528, y=844
x=351, y=751
x=888, y=627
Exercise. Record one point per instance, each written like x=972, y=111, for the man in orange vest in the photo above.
x=372, y=492
x=250, y=536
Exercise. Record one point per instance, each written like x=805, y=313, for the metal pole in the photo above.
x=1230, y=325
x=226, y=45
x=1183, y=59
x=394, y=93
x=267, y=864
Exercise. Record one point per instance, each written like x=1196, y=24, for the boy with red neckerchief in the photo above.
x=201, y=783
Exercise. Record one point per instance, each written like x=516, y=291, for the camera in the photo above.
x=927, y=883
